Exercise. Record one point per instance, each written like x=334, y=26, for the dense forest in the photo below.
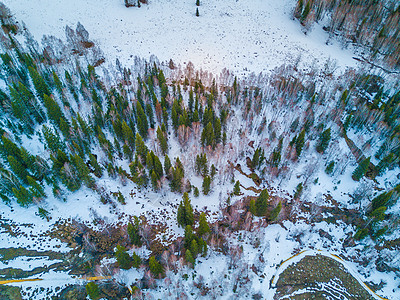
x=165, y=128
x=371, y=25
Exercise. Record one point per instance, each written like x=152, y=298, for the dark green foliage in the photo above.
x=206, y=185
x=197, y=12
x=82, y=170
x=189, y=257
x=236, y=188
x=138, y=172
x=133, y=232
x=299, y=191
x=162, y=141
x=261, y=203
x=40, y=85
x=203, y=225
x=155, y=267
x=177, y=176
x=42, y=213
x=213, y=172
x=378, y=214
x=141, y=148
x=324, y=141
x=93, y=291
x=362, y=168
x=128, y=134
x=142, y=123
x=136, y=260
x=123, y=259
x=201, y=167
x=167, y=165
x=361, y=234
x=207, y=136
x=275, y=212
x=36, y=190
x=329, y=167
x=53, y=141
x=53, y=110
x=381, y=200
x=197, y=2
x=300, y=142
x=121, y=198
x=185, y=212
x=306, y=11
x=385, y=163
x=97, y=169
x=24, y=197
x=18, y=168
x=258, y=158
x=196, y=192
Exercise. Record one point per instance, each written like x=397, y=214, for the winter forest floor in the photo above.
x=274, y=81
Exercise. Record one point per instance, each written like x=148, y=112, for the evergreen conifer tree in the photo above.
x=324, y=141
x=362, y=168
x=133, y=232
x=203, y=225
x=93, y=291
x=261, y=203
x=206, y=185
x=155, y=267
x=236, y=188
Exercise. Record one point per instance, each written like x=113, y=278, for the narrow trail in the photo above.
x=297, y=257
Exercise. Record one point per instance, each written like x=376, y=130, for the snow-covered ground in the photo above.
x=242, y=36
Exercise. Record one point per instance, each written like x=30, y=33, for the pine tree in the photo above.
x=40, y=85
x=162, y=141
x=194, y=248
x=167, y=165
x=185, y=211
x=98, y=170
x=53, y=110
x=141, y=148
x=261, y=203
x=133, y=232
x=329, y=168
x=236, y=188
x=53, y=141
x=142, y=123
x=203, y=225
x=35, y=188
x=206, y=185
x=300, y=142
x=196, y=192
x=189, y=257
x=275, y=212
x=155, y=267
x=381, y=200
x=362, y=168
x=128, y=135
x=18, y=168
x=93, y=291
x=123, y=259
x=83, y=171
x=24, y=197
x=324, y=141
x=197, y=12
x=197, y=2
x=136, y=260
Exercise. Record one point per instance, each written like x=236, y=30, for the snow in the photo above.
x=243, y=36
